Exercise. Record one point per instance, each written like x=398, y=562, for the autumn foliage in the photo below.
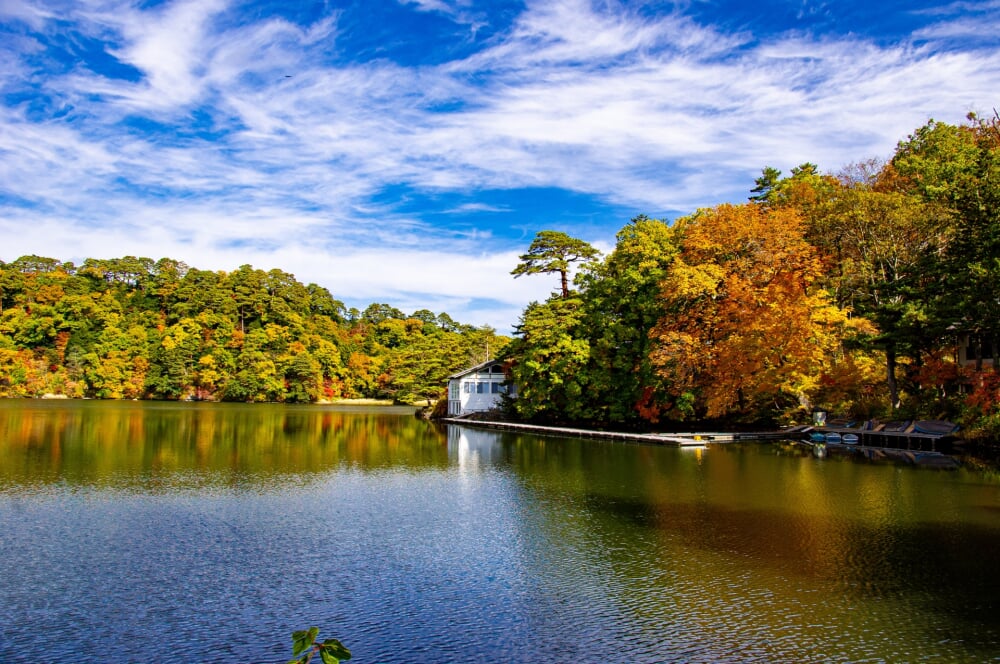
x=134, y=328
x=746, y=327
x=852, y=293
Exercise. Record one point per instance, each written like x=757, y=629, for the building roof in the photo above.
x=466, y=372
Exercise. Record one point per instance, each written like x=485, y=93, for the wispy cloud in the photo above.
x=477, y=207
x=960, y=7
x=224, y=136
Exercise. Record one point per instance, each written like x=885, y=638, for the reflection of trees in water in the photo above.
x=123, y=443
x=735, y=540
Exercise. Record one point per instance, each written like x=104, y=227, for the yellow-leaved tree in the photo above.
x=745, y=330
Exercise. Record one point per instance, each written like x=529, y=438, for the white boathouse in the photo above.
x=477, y=388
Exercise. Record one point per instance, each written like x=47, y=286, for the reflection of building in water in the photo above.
x=473, y=448
x=478, y=388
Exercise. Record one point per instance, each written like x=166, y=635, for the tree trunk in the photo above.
x=890, y=376
x=565, y=282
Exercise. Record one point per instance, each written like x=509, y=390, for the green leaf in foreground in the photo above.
x=305, y=646
x=302, y=639
x=335, y=649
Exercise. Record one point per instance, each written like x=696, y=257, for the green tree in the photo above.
x=202, y=290
x=175, y=356
x=249, y=294
x=11, y=286
x=258, y=377
x=765, y=184
x=322, y=303
x=622, y=304
x=378, y=312
x=116, y=367
x=805, y=188
x=167, y=275
x=958, y=168
x=419, y=371
x=550, y=355
x=303, y=378
x=554, y=252
x=288, y=300
x=888, y=247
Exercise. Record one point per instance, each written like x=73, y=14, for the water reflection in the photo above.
x=137, y=529
x=139, y=444
x=765, y=556
x=474, y=450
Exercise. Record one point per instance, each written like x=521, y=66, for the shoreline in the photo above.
x=355, y=402
x=319, y=402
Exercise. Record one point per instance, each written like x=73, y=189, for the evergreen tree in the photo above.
x=554, y=252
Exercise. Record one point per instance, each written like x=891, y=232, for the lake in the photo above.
x=167, y=532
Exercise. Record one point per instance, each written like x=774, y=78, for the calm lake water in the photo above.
x=161, y=532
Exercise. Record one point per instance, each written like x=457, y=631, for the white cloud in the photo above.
x=477, y=207
x=28, y=12
x=962, y=28
x=290, y=161
x=169, y=45
x=960, y=7
x=410, y=278
x=429, y=5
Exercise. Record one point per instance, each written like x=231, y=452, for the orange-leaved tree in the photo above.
x=745, y=331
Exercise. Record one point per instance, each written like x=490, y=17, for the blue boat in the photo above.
x=849, y=438
x=833, y=437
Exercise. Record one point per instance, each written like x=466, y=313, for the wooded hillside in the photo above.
x=137, y=328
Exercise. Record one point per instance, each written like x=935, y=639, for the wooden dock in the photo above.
x=669, y=439
x=906, y=441
x=909, y=441
x=908, y=447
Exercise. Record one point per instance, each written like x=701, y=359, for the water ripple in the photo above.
x=551, y=551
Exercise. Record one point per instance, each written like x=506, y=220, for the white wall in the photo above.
x=476, y=392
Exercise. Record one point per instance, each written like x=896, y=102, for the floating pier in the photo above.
x=669, y=439
x=906, y=446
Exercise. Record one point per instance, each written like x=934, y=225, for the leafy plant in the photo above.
x=305, y=647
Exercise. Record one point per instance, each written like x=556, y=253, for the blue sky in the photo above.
x=407, y=151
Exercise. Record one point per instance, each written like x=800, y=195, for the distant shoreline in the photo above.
x=356, y=402
x=319, y=402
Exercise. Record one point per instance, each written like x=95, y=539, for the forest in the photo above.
x=870, y=293
x=134, y=328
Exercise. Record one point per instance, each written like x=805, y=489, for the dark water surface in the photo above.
x=156, y=532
